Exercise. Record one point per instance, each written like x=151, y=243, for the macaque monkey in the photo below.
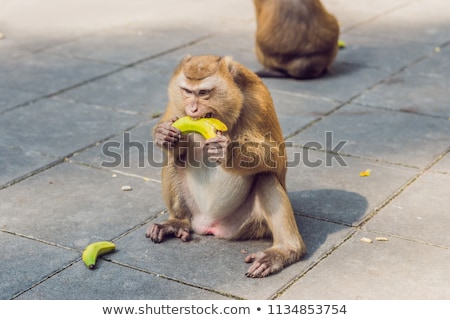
x=231, y=186
x=295, y=38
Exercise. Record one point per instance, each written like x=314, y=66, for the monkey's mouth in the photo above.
x=208, y=115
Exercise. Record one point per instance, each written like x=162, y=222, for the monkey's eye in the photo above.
x=187, y=92
x=204, y=93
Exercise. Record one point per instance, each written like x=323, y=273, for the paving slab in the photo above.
x=381, y=270
x=342, y=82
x=48, y=73
x=217, y=264
x=421, y=21
x=57, y=127
x=421, y=212
x=296, y=111
x=15, y=163
x=443, y=165
x=73, y=205
x=129, y=44
x=137, y=90
x=8, y=51
x=397, y=137
x=422, y=88
x=353, y=14
x=25, y=262
x=38, y=27
x=320, y=187
x=131, y=152
x=110, y=281
x=11, y=98
x=371, y=51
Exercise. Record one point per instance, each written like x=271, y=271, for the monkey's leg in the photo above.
x=178, y=224
x=288, y=246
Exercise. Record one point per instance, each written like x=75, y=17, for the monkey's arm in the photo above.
x=254, y=155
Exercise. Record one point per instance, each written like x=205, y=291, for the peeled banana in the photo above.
x=94, y=250
x=207, y=127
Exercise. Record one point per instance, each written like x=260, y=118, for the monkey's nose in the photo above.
x=195, y=114
x=193, y=108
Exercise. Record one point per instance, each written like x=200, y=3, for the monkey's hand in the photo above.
x=216, y=148
x=166, y=135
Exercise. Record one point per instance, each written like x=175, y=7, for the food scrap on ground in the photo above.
x=367, y=240
x=365, y=173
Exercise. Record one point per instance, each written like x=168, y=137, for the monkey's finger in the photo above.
x=154, y=232
x=183, y=234
x=173, y=119
x=171, y=138
x=166, y=141
x=258, y=270
x=167, y=131
x=250, y=258
x=171, y=131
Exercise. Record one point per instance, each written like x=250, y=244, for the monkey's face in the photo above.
x=204, y=88
x=197, y=99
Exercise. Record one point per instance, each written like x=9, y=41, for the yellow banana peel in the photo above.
x=95, y=250
x=207, y=127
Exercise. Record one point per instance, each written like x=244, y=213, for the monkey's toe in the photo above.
x=183, y=234
x=250, y=258
x=259, y=270
x=264, y=264
x=155, y=232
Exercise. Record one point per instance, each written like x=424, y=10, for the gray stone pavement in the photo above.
x=77, y=75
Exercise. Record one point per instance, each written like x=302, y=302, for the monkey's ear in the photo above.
x=230, y=64
x=182, y=63
x=187, y=58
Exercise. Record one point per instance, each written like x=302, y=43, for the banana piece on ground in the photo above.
x=207, y=127
x=95, y=250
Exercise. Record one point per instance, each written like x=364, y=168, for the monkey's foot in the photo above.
x=157, y=232
x=263, y=265
x=270, y=261
x=270, y=73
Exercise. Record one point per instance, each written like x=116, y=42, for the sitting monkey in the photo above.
x=295, y=38
x=239, y=193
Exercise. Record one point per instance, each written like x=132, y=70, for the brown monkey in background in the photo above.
x=233, y=185
x=295, y=38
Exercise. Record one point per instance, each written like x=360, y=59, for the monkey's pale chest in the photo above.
x=215, y=196
x=216, y=191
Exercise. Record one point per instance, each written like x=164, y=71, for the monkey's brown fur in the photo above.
x=295, y=38
x=240, y=194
